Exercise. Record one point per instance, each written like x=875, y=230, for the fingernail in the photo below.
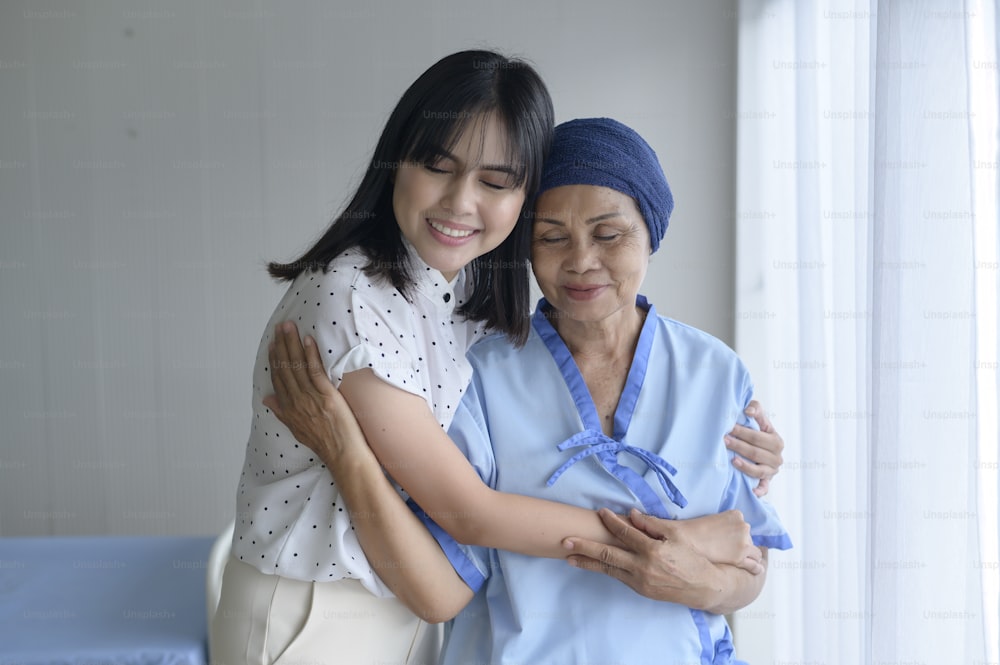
x=728, y=439
x=750, y=411
x=309, y=341
x=568, y=544
x=571, y=561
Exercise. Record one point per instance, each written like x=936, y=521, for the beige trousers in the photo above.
x=272, y=620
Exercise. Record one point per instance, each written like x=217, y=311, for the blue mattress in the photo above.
x=103, y=600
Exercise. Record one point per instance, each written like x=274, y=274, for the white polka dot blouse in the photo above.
x=289, y=518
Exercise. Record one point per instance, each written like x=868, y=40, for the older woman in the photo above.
x=608, y=405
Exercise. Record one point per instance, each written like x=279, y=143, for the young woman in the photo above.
x=427, y=256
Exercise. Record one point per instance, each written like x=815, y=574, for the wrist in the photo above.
x=354, y=464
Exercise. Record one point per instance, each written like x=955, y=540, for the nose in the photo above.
x=459, y=195
x=582, y=255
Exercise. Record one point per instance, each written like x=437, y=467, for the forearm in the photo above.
x=657, y=559
x=715, y=588
x=421, y=457
x=521, y=524
x=733, y=589
x=398, y=546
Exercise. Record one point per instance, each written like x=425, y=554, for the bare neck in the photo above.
x=612, y=338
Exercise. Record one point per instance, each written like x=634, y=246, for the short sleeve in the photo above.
x=383, y=343
x=469, y=432
x=766, y=528
x=357, y=324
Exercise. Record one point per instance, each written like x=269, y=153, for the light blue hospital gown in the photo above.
x=529, y=426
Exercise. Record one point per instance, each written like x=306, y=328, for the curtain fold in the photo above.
x=865, y=265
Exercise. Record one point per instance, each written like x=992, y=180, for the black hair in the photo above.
x=429, y=117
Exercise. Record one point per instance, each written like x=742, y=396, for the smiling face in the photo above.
x=462, y=204
x=589, y=252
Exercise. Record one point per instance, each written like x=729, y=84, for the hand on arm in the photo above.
x=398, y=546
x=420, y=456
x=657, y=559
x=722, y=538
x=758, y=454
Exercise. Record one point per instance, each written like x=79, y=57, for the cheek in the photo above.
x=545, y=268
x=410, y=185
x=506, y=213
x=400, y=190
x=632, y=268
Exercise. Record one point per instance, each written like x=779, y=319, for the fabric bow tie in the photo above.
x=599, y=442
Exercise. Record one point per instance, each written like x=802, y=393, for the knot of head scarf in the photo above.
x=606, y=153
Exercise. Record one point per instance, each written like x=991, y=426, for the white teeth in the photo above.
x=451, y=233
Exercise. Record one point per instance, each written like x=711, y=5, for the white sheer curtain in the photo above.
x=867, y=312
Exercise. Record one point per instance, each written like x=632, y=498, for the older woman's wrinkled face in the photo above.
x=590, y=250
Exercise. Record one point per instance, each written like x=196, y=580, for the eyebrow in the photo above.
x=499, y=168
x=592, y=220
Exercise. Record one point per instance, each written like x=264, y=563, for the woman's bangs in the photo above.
x=432, y=136
x=524, y=154
x=436, y=133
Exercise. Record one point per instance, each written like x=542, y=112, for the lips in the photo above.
x=450, y=231
x=584, y=291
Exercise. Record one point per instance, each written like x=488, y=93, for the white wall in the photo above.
x=154, y=156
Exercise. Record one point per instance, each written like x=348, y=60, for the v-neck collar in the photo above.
x=592, y=440
x=574, y=379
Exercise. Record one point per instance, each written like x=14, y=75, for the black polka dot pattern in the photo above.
x=289, y=520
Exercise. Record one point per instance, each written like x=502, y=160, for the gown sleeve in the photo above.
x=766, y=529
x=469, y=430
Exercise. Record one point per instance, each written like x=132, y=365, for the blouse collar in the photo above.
x=431, y=284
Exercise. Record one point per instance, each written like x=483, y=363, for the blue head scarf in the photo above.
x=604, y=152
